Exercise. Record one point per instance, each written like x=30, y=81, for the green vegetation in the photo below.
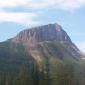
x=59, y=66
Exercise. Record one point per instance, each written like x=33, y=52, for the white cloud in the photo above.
x=21, y=18
x=37, y=4
x=81, y=46
x=28, y=18
x=11, y=3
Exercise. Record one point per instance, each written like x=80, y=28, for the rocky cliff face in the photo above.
x=30, y=38
x=49, y=32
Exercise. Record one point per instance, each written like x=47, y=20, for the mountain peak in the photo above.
x=28, y=59
x=43, y=33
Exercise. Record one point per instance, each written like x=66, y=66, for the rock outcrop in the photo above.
x=49, y=32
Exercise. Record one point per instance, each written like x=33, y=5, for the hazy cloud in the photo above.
x=39, y=4
x=21, y=18
x=26, y=18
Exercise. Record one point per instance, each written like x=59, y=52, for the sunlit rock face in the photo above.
x=43, y=33
x=30, y=38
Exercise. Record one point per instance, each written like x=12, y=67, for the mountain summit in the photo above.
x=47, y=33
x=43, y=33
x=43, y=55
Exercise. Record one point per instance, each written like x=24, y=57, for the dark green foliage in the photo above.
x=16, y=66
x=59, y=67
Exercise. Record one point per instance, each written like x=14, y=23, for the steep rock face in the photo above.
x=30, y=38
x=49, y=32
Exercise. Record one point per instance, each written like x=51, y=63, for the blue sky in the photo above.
x=16, y=15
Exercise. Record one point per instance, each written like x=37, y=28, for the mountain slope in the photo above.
x=43, y=55
x=30, y=38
